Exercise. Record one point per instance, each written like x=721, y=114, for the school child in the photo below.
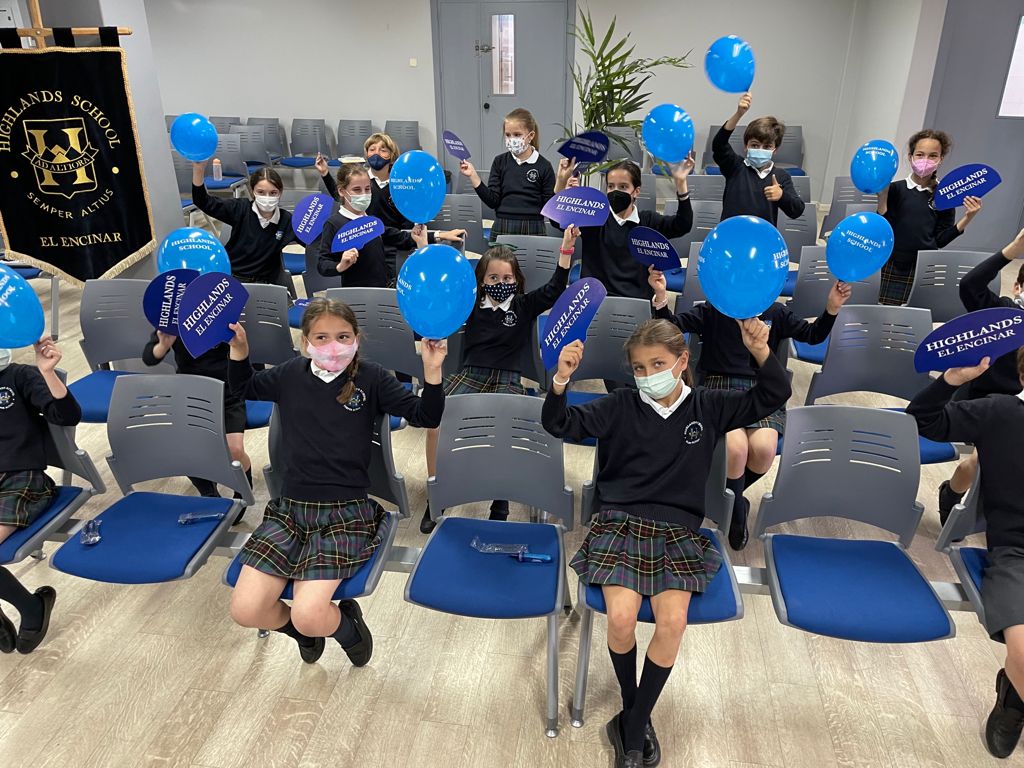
x=260, y=229
x=213, y=364
x=754, y=185
x=655, y=449
x=994, y=424
x=29, y=397
x=521, y=180
x=497, y=332
x=323, y=528
x=606, y=254
x=726, y=364
x=908, y=205
x=1001, y=377
x=381, y=152
x=367, y=267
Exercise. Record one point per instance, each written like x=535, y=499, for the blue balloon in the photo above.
x=21, y=314
x=668, y=133
x=417, y=186
x=193, y=248
x=729, y=64
x=436, y=291
x=743, y=266
x=873, y=166
x=194, y=137
x=859, y=246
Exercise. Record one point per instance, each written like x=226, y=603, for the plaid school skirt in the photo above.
x=24, y=495
x=517, y=227
x=896, y=283
x=308, y=540
x=776, y=421
x=645, y=556
x=472, y=379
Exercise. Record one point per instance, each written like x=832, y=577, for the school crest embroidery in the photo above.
x=357, y=401
x=510, y=319
x=532, y=175
x=693, y=432
x=6, y=398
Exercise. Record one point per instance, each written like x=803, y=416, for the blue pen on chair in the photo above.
x=519, y=551
x=198, y=517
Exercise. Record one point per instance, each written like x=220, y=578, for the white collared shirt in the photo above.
x=660, y=409
x=488, y=303
x=761, y=172
x=348, y=214
x=380, y=182
x=1021, y=394
x=263, y=221
x=322, y=374
x=634, y=216
x=911, y=184
x=530, y=160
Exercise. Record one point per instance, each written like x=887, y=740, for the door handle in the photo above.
x=487, y=105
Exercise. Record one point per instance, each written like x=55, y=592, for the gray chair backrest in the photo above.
x=705, y=187
x=612, y=326
x=844, y=191
x=853, y=463
x=647, y=200
x=814, y=281
x=182, y=173
x=462, y=212
x=706, y=215
x=537, y=256
x=871, y=349
x=311, y=278
x=692, y=293
x=405, y=133
x=170, y=426
x=801, y=231
x=802, y=185
x=735, y=141
x=61, y=451
x=276, y=143
x=252, y=140
x=309, y=136
x=839, y=211
x=169, y=121
x=385, y=337
x=265, y=318
x=113, y=324
x=351, y=136
x=965, y=519
x=223, y=124
x=937, y=282
x=291, y=197
x=791, y=149
x=480, y=432
x=229, y=152
x=632, y=150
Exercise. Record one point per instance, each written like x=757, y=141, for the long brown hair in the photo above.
x=348, y=171
x=945, y=145
x=266, y=173
x=662, y=333
x=498, y=253
x=524, y=116
x=316, y=309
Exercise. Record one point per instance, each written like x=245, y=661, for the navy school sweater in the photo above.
x=26, y=404
x=1001, y=377
x=370, y=270
x=381, y=204
x=916, y=225
x=744, y=189
x=518, y=191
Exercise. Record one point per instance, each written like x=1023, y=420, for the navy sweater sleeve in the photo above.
x=255, y=385
x=229, y=211
x=147, y=353
x=547, y=181
x=331, y=185
x=725, y=156
x=974, y=290
x=938, y=419
x=790, y=202
x=542, y=299
x=945, y=227
x=815, y=332
x=327, y=263
x=671, y=226
x=771, y=390
x=690, y=321
x=64, y=411
x=578, y=422
x=399, y=239
x=396, y=400
x=491, y=192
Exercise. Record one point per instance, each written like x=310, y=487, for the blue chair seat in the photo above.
x=675, y=279
x=295, y=263
x=142, y=542
x=225, y=183
x=298, y=162
x=66, y=494
x=186, y=202
x=295, y=312
x=974, y=558
x=93, y=393
x=356, y=585
x=811, y=353
x=794, y=171
x=931, y=451
x=334, y=163
x=713, y=170
x=865, y=590
x=574, y=271
x=790, y=284
x=717, y=603
x=29, y=273
x=454, y=578
x=257, y=413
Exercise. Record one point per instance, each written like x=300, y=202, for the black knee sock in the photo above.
x=346, y=634
x=205, y=487
x=750, y=477
x=652, y=681
x=736, y=486
x=28, y=605
x=624, y=665
x=290, y=630
x=248, y=476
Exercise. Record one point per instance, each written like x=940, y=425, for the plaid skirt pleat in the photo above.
x=24, y=495
x=308, y=540
x=472, y=379
x=896, y=284
x=645, y=556
x=776, y=420
x=517, y=227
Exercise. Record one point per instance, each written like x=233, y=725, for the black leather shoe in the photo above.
x=614, y=731
x=8, y=634
x=29, y=640
x=948, y=498
x=499, y=510
x=1002, y=730
x=633, y=759
x=311, y=653
x=426, y=524
x=738, y=534
x=362, y=650
x=652, y=749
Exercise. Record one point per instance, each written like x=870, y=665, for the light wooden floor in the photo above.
x=159, y=675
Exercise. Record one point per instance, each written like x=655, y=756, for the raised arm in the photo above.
x=974, y=290
x=427, y=409
x=242, y=380
x=542, y=299
x=722, y=152
x=577, y=422
x=46, y=392
x=228, y=211
x=817, y=331
x=491, y=193
x=938, y=419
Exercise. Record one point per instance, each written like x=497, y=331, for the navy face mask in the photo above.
x=500, y=292
x=377, y=162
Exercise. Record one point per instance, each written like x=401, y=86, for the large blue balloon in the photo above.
x=668, y=133
x=21, y=314
x=193, y=248
x=729, y=64
x=743, y=266
x=859, y=246
x=194, y=137
x=417, y=186
x=436, y=291
x=873, y=166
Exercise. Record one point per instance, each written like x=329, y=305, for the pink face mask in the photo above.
x=333, y=356
x=924, y=167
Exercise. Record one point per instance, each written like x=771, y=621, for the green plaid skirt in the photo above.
x=896, y=283
x=308, y=540
x=645, y=556
x=24, y=495
x=472, y=379
x=776, y=421
x=517, y=227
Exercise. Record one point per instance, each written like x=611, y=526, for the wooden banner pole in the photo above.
x=39, y=33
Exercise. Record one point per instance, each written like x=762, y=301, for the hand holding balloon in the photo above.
x=773, y=192
x=47, y=355
x=755, y=338
x=743, y=105
x=837, y=297
x=433, y=352
x=199, y=174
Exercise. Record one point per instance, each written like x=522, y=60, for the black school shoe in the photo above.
x=948, y=498
x=613, y=729
x=311, y=653
x=427, y=524
x=29, y=640
x=738, y=533
x=7, y=634
x=360, y=652
x=652, y=749
x=633, y=759
x=1004, y=724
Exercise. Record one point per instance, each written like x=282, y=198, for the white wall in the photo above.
x=312, y=58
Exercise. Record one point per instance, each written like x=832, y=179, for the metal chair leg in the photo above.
x=551, y=726
x=263, y=634
x=579, y=694
x=567, y=593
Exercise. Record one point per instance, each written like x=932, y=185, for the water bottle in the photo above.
x=218, y=171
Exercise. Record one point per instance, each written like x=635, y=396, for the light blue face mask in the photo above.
x=658, y=385
x=759, y=157
x=5, y=358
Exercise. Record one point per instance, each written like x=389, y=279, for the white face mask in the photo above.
x=515, y=144
x=267, y=202
x=658, y=385
x=359, y=202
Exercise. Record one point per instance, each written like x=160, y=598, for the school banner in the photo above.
x=74, y=199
